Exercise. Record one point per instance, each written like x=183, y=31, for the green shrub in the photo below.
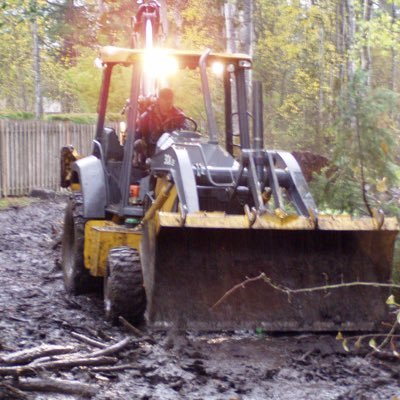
x=19, y=115
x=83, y=118
x=76, y=118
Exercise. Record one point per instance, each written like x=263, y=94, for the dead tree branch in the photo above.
x=115, y=348
x=8, y=391
x=240, y=285
x=56, y=385
x=137, y=332
x=88, y=340
x=289, y=291
x=26, y=356
x=57, y=365
x=114, y=368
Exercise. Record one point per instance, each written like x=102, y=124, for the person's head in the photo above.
x=165, y=100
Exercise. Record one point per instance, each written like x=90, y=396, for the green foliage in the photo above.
x=82, y=82
x=294, y=54
x=82, y=118
x=76, y=118
x=188, y=96
x=17, y=115
x=16, y=65
x=364, y=150
x=202, y=24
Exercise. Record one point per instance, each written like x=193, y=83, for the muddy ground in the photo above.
x=35, y=310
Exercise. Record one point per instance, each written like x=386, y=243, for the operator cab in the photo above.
x=212, y=165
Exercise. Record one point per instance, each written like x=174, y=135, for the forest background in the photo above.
x=330, y=72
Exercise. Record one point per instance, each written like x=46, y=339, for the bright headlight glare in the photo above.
x=217, y=68
x=157, y=64
x=98, y=63
x=170, y=65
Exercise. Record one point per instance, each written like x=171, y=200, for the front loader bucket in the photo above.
x=189, y=267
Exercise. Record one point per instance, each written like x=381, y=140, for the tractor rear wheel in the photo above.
x=124, y=294
x=77, y=279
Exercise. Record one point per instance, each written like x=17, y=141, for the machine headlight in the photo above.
x=158, y=65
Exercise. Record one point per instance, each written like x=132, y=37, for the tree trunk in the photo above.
x=366, y=53
x=350, y=39
x=37, y=72
x=318, y=140
x=229, y=11
x=23, y=93
x=340, y=38
x=248, y=27
x=393, y=52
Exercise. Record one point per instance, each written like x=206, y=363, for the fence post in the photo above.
x=30, y=153
x=3, y=159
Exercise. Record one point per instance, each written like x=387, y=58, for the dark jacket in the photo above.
x=152, y=124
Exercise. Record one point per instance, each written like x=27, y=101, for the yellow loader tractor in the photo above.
x=172, y=236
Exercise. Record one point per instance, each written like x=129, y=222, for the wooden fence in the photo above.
x=30, y=153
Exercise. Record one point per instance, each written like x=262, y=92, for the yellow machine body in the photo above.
x=100, y=237
x=190, y=262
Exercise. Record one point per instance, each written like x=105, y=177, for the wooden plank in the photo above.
x=10, y=159
x=3, y=161
x=46, y=155
x=54, y=158
x=24, y=164
x=7, y=160
x=13, y=165
x=30, y=158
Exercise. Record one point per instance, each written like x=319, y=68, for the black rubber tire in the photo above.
x=77, y=279
x=124, y=294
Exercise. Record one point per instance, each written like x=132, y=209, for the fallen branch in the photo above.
x=136, y=331
x=289, y=291
x=240, y=285
x=114, y=368
x=8, y=391
x=26, y=356
x=57, y=365
x=87, y=340
x=105, y=351
x=77, y=362
x=42, y=360
x=111, y=349
x=56, y=385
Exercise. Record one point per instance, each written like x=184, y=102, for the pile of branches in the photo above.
x=33, y=369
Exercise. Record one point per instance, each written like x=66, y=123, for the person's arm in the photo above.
x=142, y=126
x=179, y=118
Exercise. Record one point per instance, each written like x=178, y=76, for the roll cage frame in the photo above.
x=235, y=66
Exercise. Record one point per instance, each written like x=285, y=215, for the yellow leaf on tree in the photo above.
x=381, y=185
x=385, y=147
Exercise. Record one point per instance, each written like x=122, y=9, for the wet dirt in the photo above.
x=35, y=310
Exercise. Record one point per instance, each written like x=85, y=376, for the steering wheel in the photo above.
x=166, y=126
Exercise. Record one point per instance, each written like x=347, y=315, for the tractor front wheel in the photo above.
x=124, y=294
